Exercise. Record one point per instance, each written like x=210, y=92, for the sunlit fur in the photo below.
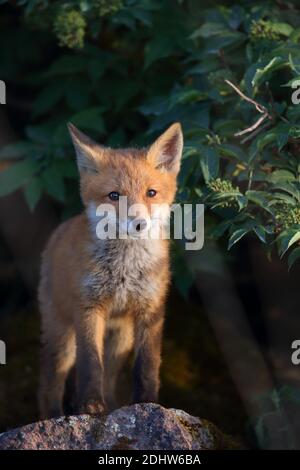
x=99, y=299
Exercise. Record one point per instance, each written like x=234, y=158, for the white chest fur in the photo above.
x=125, y=271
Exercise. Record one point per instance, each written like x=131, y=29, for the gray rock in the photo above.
x=138, y=427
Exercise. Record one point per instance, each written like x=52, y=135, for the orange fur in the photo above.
x=100, y=299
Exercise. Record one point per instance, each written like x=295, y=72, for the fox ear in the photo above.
x=165, y=153
x=89, y=154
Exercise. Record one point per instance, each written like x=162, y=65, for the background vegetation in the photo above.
x=120, y=69
x=123, y=70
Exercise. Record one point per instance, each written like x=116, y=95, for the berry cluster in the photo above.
x=263, y=29
x=69, y=27
x=218, y=186
x=108, y=7
x=287, y=217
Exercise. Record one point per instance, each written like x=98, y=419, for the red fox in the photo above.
x=102, y=298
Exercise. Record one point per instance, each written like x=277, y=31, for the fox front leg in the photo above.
x=148, y=337
x=90, y=329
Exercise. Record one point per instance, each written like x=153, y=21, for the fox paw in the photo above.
x=92, y=407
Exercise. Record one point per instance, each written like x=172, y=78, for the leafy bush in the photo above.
x=131, y=66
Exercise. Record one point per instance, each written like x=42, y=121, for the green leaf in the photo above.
x=264, y=73
x=77, y=93
x=280, y=176
x=219, y=230
x=156, y=106
x=158, y=48
x=67, y=168
x=208, y=30
x=209, y=162
x=210, y=64
x=233, y=152
x=260, y=231
x=16, y=176
x=284, y=198
x=284, y=29
x=97, y=68
x=236, y=236
x=90, y=118
x=294, y=239
x=186, y=96
x=260, y=198
x=16, y=150
x=33, y=192
x=286, y=239
x=67, y=65
x=227, y=39
x=41, y=134
x=289, y=187
x=53, y=183
x=293, y=257
x=142, y=15
x=227, y=127
x=265, y=140
x=48, y=98
x=282, y=140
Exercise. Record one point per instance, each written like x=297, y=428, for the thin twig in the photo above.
x=253, y=127
x=260, y=108
x=257, y=131
x=250, y=179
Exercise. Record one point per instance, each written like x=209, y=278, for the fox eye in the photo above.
x=114, y=196
x=151, y=193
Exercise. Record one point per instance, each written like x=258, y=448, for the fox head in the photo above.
x=143, y=178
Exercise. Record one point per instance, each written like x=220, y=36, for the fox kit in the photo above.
x=101, y=298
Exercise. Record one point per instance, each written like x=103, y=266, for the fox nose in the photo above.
x=140, y=225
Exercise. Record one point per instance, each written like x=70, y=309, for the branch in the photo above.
x=260, y=108
x=255, y=129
